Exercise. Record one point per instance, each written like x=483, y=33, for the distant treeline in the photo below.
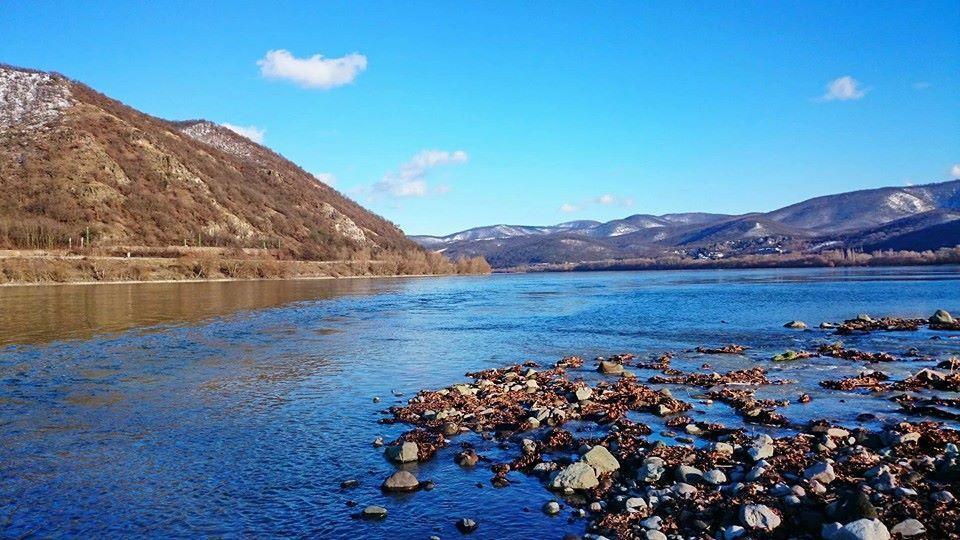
x=833, y=258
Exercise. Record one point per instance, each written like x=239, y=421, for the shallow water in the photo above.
x=236, y=409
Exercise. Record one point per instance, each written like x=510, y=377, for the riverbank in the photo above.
x=77, y=269
x=833, y=259
x=896, y=476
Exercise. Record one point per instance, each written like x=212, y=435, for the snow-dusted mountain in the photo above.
x=922, y=216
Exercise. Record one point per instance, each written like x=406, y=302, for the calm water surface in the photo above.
x=236, y=409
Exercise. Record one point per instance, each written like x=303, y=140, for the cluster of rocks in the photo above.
x=825, y=481
x=837, y=350
x=941, y=320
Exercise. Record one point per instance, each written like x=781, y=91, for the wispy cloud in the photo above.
x=410, y=179
x=253, y=133
x=921, y=85
x=955, y=171
x=325, y=177
x=845, y=88
x=605, y=200
x=313, y=72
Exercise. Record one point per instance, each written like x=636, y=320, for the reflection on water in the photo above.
x=236, y=409
x=35, y=314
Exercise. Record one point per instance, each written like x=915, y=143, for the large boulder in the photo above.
x=759, y=516
x=401, y=481
x=403, y=453
x=601, y=459
x=941, y=317
x=580, y=475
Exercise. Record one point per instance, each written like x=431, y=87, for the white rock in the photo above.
x=715, y=477
x=404, y=453
x=578, y=475
x=864, y=529
x=909, y=527
x=601, y=459
x=821, y=472
x=759, y=516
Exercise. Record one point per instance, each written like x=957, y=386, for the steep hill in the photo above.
x=75, y=163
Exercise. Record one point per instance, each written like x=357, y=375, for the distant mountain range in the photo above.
x=916, y=218
x=76, y=164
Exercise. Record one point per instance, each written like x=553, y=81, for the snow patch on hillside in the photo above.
x=221, y=138
x=31, y=99
x=907, y=204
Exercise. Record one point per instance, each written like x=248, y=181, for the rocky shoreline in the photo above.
x=822, y=481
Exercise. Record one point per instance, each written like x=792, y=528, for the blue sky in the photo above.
x=448, y=115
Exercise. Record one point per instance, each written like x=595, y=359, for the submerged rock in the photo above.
x=374, y=512
x=466, y=525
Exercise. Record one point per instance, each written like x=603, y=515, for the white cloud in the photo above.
x=326, y=178
x=253, y=133
x=921, y=85
x=955, y=171
x=313, y=72
x=568, y=208
x=410, y=179
x=609, y=200
x=845, y=88
x=606, y=199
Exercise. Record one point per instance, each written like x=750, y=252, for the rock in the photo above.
x=761, y=448
x=401, y=481
x=759, y=516
x=376, y=399
x=723, y=448
x=909, y=527
x=863, y=529
x=650, y=472
x=856, y=506
x=821, y=472
x=583, y=393
x=732, y=532
x=601, y=459
x=374, y=512
x=402, y=453
x=349, y=484
x=829, y=530
x=378, y=442
x=837, y=433
x=635, y=504
x=942, y=497
x=655, y=535
x=610, y=367
x=652, y=522
x=715, y=477
x=552, y=508
x=757, y=471
x=684, y=490
x=466, y=525
x=941, y=317
x=529, y=446
x=467, y=458
x=688, y=474
x=579, y=475
x=796, y=325
x=450, y=429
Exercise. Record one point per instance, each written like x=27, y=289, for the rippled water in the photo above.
x=236, y=409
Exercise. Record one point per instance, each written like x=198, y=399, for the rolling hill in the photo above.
x=915, y=218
